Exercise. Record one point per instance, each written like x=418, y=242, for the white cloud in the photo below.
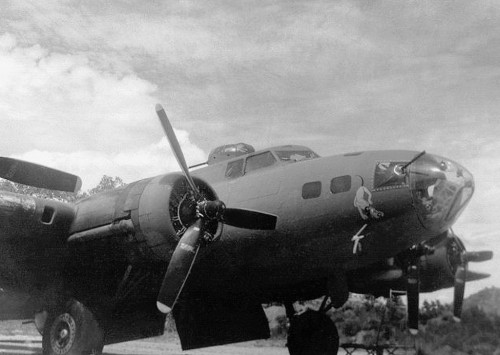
x=59, y=110
x=217, y=34
x=63, y=93
x=129, y=164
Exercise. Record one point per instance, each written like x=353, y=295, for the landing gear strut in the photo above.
x=311, y=332
x=72, y=330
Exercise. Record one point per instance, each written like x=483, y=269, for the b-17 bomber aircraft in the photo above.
x=211, y=245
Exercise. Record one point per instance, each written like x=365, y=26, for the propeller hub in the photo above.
x=213, y=210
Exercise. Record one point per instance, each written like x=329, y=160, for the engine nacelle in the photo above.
x=29, y=225
x=436, y=270
x=146, y=218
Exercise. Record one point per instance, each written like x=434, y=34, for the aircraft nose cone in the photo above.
x=441, y=189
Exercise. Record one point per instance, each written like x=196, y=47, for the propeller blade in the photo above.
x=179, y=268
x=478, y=256
x=248, y=219
x=459, y=291
x=474, y=276
x=412, y=293
x=35, y=175
x=174, y=144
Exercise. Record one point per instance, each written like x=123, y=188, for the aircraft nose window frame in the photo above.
x=389, y=175
x=441, y=189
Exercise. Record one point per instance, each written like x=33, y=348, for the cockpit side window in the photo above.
x=389, y=174
x=259, y=161
x=293, y=156
x=234, y=169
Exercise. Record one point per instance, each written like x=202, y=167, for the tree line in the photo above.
x=106, y=183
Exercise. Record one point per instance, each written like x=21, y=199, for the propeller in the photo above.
x=478, y=256
x=413, y=283
x=462, y=273
x=184, y=255
x=459, y=291
x=412, y=294
x=174, y=144
x=35, y=175
x=179, y=268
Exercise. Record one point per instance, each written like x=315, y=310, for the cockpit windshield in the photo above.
x=293, y=156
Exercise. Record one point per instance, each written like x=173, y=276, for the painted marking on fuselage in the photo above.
x=364, y=204
x=356, y=240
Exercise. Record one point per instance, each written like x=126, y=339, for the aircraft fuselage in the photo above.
x=334, y=213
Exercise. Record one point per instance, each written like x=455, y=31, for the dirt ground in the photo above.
x=16, y=340
x=22, y=344
x=16, y=345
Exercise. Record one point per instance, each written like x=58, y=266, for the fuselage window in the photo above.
x=259, y=161
x=47, y=215
x=340, y=184
x=234, y=169
x=311, y=190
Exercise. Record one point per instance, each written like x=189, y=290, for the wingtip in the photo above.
x=78, y=185
x=163, y=308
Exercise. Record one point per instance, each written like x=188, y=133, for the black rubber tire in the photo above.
x=312, y=333
x=72, y=330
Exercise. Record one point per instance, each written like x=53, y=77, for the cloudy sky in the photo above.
x=79, y=80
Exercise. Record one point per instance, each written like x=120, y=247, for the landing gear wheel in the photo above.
x=314, y=333
x=72, y=330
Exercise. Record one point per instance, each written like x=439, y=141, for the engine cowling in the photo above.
x=437, y=270
x=166, y=209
